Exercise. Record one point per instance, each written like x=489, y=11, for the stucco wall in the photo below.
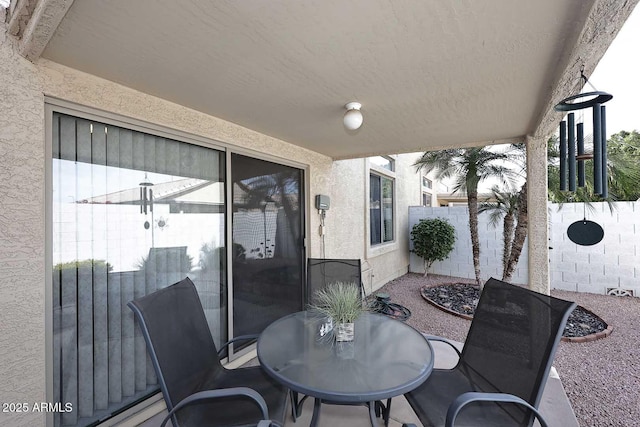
x=22, y=235
x=392, y=264
x=23, y=86
x=347, y=219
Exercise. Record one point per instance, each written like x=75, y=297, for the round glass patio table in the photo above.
x=387, y=358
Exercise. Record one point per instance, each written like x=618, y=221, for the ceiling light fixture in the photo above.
x=353, y=117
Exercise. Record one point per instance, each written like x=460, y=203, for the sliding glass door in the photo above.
x=133, y=212
x=268, y=242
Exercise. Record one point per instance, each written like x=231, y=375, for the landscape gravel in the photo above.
x=601, y=378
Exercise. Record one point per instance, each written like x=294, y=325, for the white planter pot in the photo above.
x=344, y=331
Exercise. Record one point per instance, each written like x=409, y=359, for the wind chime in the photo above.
x=573, y=156
x=146, y=199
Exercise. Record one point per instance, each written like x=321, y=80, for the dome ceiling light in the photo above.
x=353, y=117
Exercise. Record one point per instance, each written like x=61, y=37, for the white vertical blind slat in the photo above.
x=99, y=243
x=85, y=276
x=114, y=295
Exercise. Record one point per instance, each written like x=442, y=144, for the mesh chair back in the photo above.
x=512, y=341
x=178, y=339
x=323, y=272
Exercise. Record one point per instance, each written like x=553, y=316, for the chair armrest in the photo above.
x=472, y=396
x=214, y=394
x=238, y=338
x=444, y=340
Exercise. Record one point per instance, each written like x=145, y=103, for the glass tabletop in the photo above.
x=386, y=358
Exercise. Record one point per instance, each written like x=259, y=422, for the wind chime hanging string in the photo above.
x=572, y=152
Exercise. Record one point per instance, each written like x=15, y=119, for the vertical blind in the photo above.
x=109, y=249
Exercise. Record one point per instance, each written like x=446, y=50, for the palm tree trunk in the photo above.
x=472, y=198
x=507, y=239
x=520, y=234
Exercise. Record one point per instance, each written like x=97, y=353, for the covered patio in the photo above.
x=555, y=406
x=270, y=80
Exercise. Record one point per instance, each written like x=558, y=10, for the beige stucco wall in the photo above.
x=22, y=232
x=349, y=212
x=23, y=87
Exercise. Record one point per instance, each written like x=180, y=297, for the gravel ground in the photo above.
x=601, y=378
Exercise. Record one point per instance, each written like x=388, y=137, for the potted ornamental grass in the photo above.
x=342, y=303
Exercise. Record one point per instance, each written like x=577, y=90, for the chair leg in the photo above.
x=372, y=413
x=387, y=413
x=294, y=405
x=316, y=412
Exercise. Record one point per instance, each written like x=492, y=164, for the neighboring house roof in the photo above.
x=181, y=190
x=461, y=198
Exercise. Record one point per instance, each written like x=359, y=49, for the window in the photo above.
x=130, y=212
x=426, y=182
x=380, y=209
x=426, y=199
x=383, y=162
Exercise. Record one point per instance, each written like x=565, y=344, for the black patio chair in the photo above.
x=504, y=364
x=197, y=389
x=322, y=272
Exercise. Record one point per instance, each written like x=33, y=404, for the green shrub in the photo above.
x=433, y=240
x=91, y=264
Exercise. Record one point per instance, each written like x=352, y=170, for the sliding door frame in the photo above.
x=51, y=105
x=233, y=354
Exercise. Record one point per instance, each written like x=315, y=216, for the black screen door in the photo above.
x=268, y=242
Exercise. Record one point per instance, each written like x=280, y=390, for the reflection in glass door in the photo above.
x=131, y=213
x=268, y=248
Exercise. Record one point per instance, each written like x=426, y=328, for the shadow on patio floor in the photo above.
x=555, y=405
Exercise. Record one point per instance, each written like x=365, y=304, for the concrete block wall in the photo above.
x=614, y=263
x=460, y=261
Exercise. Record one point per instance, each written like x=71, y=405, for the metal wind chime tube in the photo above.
x=572, y=151
x=581, y=155
x=563, y=155
x=597, y=149
x=569, y=159
x=603, y=144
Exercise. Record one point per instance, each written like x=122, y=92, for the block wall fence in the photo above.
x=611, y=266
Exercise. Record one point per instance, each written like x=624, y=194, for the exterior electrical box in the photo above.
x=322, y=202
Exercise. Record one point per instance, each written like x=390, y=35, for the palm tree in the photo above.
x=504, y=208
x=468, y=167
x=520, y=233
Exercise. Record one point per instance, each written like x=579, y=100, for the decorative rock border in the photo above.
x=591, y=337
x=443, y=308
x=587, y=338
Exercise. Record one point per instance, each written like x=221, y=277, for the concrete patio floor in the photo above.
x=554, y=406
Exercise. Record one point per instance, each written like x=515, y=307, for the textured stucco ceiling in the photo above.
x=429, y=73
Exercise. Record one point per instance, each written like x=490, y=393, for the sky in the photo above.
x=617, y=74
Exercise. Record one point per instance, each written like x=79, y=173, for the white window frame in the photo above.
x=384, y=247
x=428, y=195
